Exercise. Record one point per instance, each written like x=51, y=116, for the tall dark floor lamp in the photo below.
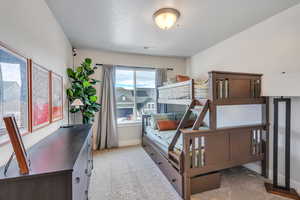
x=274, y=188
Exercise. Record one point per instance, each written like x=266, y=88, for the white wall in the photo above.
x=131, y=134
x=270, y=47
x=29, y=27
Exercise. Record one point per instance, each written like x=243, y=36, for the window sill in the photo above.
x=129, y=124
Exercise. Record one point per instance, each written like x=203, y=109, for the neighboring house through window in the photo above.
x=135, y=93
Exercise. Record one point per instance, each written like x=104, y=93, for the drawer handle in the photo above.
x=77, y=179
x=159, y=163
x=88, y=173
x=151, y=154
x=173, y=180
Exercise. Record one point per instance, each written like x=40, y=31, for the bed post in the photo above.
x=145, y=121
x=212, y=107
x=186, y=176
x=265, y=161
x=192, y=92
x=212, y=116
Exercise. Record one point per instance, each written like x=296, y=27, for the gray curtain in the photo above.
x=107, y=135
x=161, y=77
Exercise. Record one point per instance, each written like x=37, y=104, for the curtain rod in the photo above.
x=169, y=69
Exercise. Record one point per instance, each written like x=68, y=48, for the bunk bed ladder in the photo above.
x=180, y=126
x=186, y=116
x=201, y=116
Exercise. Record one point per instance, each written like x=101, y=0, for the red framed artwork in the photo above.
x=56, y=97
x=40, y=96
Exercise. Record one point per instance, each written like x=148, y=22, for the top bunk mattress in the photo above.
x=183, y=90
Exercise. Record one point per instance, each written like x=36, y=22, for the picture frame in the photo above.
x=56, y=97
x=17, y=144
x=40, y=96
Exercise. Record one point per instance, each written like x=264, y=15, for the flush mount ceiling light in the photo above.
x=165, y=18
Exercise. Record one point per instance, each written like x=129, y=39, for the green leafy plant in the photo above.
x=82, y=87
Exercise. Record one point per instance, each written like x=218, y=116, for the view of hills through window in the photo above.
x=135, y=93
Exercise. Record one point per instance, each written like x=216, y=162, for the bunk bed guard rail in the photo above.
x=177, y=93
x=223, y=88
x=212, y=150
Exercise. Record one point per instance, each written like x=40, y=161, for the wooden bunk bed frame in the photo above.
x=205, y=152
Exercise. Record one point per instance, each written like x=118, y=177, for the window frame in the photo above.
x=17, y=54
x=135, y=121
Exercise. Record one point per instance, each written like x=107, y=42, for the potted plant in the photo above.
x=83, y=89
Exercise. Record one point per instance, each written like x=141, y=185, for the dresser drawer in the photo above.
x=90, y=164
x=81, y=173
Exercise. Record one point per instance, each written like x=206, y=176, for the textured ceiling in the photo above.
x=127, y=25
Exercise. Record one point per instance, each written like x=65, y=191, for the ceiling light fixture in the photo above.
x=165, y=18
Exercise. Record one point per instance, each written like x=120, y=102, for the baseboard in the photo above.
x=125, y=143
x=281, y=178
x=294, y=184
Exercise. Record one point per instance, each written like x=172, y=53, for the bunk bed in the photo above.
x=192, y=158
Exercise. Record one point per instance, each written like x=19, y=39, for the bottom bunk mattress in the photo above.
x=163, y=138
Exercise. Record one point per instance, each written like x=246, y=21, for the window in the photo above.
x=13, y=90
x=25, y=92
x=135, y=93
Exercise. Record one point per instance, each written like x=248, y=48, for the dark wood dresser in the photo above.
x=61, y=167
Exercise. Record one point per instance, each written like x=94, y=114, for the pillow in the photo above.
x=179, y=116
x=189, y=123
x=160, y=116
x=165, y=125
x=181, y=78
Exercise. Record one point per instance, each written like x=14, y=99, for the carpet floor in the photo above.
x=130, y=174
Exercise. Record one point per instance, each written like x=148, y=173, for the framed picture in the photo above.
x=17, y=143
x=14, y=88
x=40, y=96
x=56, y=97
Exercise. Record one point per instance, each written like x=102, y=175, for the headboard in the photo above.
x=235, y=88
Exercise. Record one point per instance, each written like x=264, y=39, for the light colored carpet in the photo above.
x=130, y=174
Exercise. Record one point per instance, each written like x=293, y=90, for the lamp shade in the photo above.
x=165, y=18
x=77, y=103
